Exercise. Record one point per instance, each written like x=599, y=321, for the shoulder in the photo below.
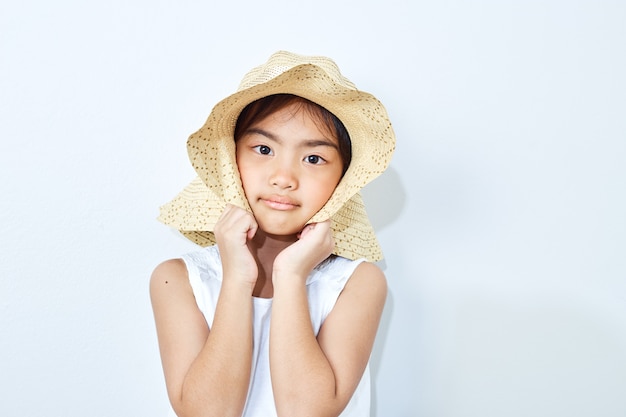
x=169, y=278
x=370, y=271
x=172, y=269
x=368, y=281
x=347, y=275
x=196, y=265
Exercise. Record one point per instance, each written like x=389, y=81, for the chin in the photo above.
x=280, y=224
x=277, y=230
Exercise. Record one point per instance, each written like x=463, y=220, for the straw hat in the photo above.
x=211, y=149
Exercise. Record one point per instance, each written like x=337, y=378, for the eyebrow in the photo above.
x=309, y=143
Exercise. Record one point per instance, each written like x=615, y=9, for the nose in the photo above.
x=284, y=175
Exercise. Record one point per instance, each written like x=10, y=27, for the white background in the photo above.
x=501, y=217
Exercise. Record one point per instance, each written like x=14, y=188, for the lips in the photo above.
x=279, y=202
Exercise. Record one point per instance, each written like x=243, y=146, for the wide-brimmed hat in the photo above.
x=211, y=149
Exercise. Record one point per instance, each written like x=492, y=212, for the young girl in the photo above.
x=278, y=314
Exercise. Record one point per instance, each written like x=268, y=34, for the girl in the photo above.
x=278, y=314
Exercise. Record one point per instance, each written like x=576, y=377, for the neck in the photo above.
x=265, y=248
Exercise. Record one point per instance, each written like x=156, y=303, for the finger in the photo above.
x=306, y=230
x=252, y=228
x=325, y=225
x=316, y=229
x=243, y=222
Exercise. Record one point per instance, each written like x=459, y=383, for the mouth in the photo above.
x=279, y=203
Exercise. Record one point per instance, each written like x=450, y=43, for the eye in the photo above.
x=263, y=149
x=314, y=159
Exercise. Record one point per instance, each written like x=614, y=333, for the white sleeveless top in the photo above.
x=323, y=285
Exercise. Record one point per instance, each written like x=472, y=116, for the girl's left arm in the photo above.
x=317, y=376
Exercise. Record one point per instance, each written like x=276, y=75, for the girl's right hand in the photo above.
x=233, y=230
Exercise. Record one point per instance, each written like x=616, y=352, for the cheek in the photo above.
x=244, y=171
x=242, y=165
x=326, y=189
x=247, y=180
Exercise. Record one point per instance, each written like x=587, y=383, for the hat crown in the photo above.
x=283, y=61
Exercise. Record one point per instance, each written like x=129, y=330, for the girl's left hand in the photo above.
x=315, y=244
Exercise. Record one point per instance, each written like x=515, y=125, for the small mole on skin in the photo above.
x=166, y=282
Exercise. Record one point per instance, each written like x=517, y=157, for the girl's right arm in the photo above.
x=207, y=373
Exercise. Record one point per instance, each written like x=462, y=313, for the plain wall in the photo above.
x=501, y=216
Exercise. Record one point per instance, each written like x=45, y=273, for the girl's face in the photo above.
x=289, y=169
